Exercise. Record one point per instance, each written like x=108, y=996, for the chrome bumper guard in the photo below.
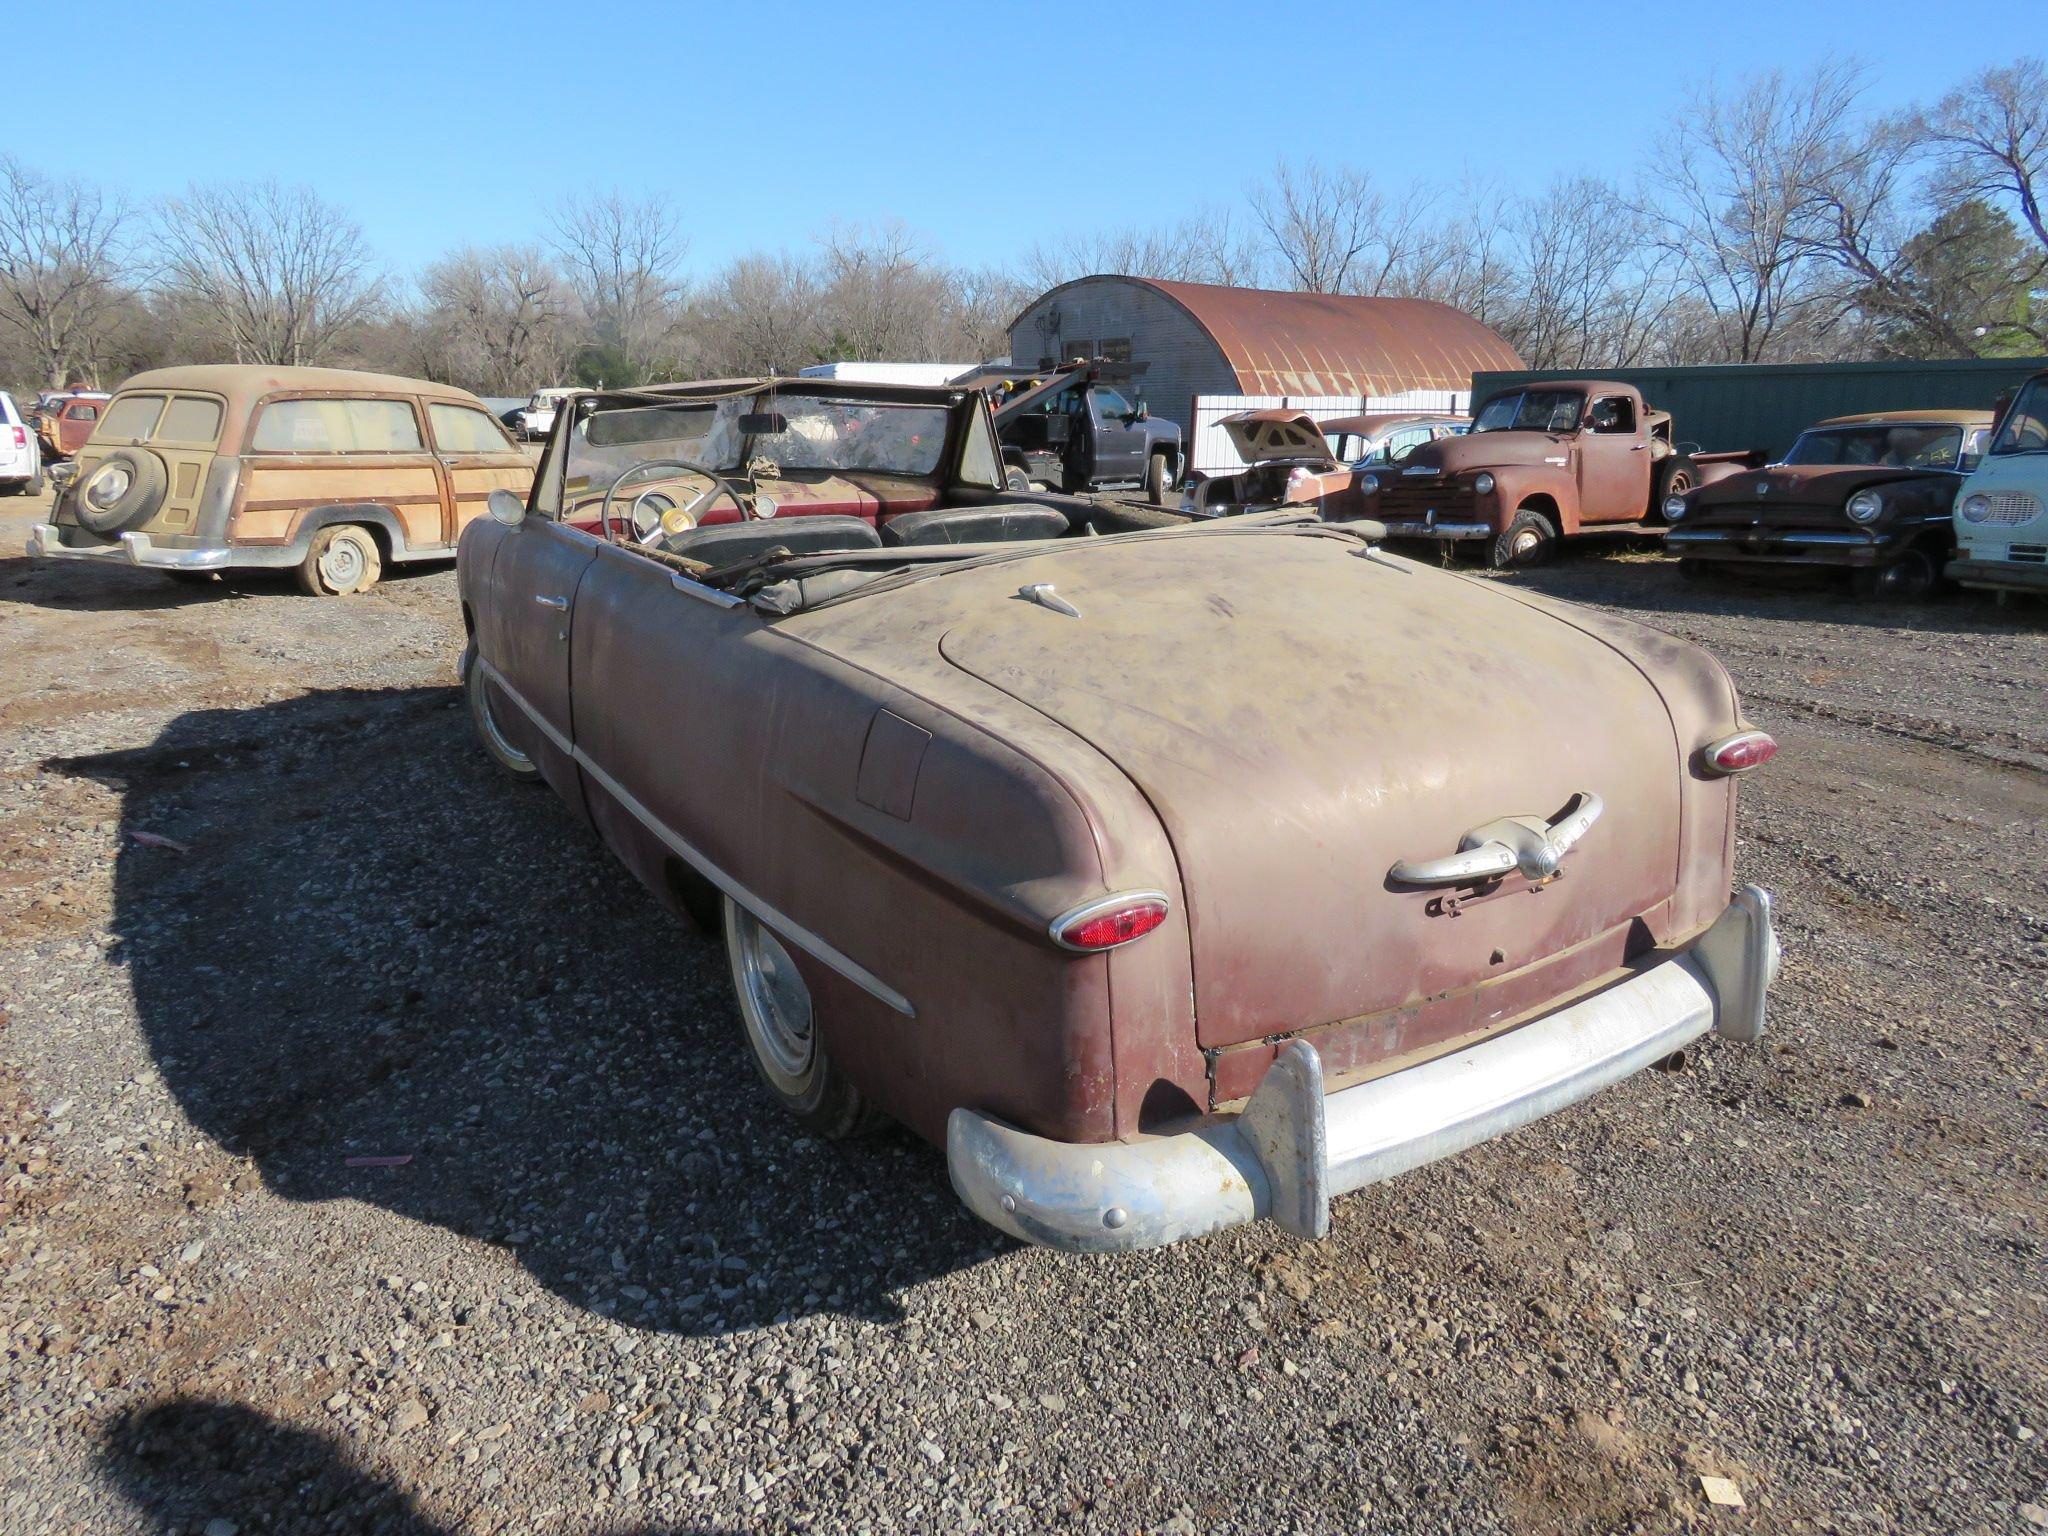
x=45, y=542
x=1409, y=528
x=1294, y=1147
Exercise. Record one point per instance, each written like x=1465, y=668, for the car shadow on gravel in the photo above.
x=190, y=1462
x=385, y=973
x=114, y=588
x=79, y=588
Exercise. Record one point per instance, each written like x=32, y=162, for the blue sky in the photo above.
x=983, y=126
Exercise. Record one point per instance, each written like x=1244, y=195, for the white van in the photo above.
x=21, y=456
x=2001, y=515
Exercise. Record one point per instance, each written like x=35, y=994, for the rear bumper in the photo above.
x=1294, y=1147
x=47, y=543
x=2006, y=575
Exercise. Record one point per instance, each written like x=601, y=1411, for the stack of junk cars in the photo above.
x=1161, y=864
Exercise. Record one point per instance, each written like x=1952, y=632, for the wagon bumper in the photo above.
x=1294, y=1147
x=1413, y=528
x=46, y=543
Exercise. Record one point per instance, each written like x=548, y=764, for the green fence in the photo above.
x=1766, y=405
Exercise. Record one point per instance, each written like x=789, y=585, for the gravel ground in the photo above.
x=610, y=1290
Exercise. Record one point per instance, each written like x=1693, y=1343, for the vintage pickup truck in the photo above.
x=1171, y=874
x=1543, y=462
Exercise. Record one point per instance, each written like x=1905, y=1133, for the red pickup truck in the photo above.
x=1542, y=462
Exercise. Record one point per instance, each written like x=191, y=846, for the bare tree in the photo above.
x=62, y=268
x=1320, y=225
x=279, y=274
x=882, y=297
x=1585, y=298
x=1207, y=246
x=985, y=301
x=1993, y=138
x=624, y=258
x=759, y=316
x=1736, y=173
x=499, y=317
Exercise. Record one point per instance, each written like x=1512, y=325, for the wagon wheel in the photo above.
x=341, y=559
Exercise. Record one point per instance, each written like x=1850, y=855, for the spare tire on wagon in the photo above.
x=122, y=491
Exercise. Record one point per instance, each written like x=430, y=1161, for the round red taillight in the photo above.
x=1739, y=753
x=1110, y=922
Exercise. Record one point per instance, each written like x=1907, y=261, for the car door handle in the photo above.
x=559, y=604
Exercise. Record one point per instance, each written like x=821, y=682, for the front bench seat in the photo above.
x=999, y=523
x=728, y=544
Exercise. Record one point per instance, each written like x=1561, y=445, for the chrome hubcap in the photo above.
x=774, y=1001
x=1525, y=543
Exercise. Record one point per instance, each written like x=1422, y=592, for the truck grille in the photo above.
x=1451, y=503
x=2028, y=554
x=2008, y=508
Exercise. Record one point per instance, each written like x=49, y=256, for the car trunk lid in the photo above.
x=1301, y=715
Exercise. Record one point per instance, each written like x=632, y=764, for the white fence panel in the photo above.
x=1209, y=447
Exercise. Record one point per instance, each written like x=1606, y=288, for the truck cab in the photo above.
x=1085, y=427
x=1542, y=462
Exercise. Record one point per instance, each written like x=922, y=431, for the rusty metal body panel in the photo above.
x=263, y=504
x=1799, y=513
x=1569, y=473
x=1253, y=718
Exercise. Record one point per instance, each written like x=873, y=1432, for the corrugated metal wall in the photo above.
x=1766, y=405
x=1181, y=360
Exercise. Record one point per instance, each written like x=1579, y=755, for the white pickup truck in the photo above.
x=21, y=456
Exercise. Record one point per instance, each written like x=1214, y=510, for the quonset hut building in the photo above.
x=1332, y=353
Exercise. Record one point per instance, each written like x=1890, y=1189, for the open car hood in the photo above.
x=1278, y=436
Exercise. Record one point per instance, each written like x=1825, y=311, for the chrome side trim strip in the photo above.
x=783, y=924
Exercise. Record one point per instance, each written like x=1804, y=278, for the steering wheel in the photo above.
x=711, y=492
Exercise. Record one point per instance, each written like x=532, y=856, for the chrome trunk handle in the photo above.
x=1525, y=843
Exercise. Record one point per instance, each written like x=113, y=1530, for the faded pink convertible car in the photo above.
x=1171, y=874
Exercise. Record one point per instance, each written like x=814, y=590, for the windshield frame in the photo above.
x=1848, y=430
x=960, y=405
x=1521, y=395
x=2033, y=399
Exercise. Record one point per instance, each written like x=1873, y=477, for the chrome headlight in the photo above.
x=1674, y=508
x=1368, y=484
x=1483, y=483
x=1865, y=505
x=1976, y=508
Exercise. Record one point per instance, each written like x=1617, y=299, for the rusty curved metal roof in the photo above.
x=1334, y=344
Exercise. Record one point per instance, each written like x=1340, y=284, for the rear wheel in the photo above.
x=341, y=559
x=1674, y=477
x=1158, y=479
x=781, y=1026
x=1528, y=540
